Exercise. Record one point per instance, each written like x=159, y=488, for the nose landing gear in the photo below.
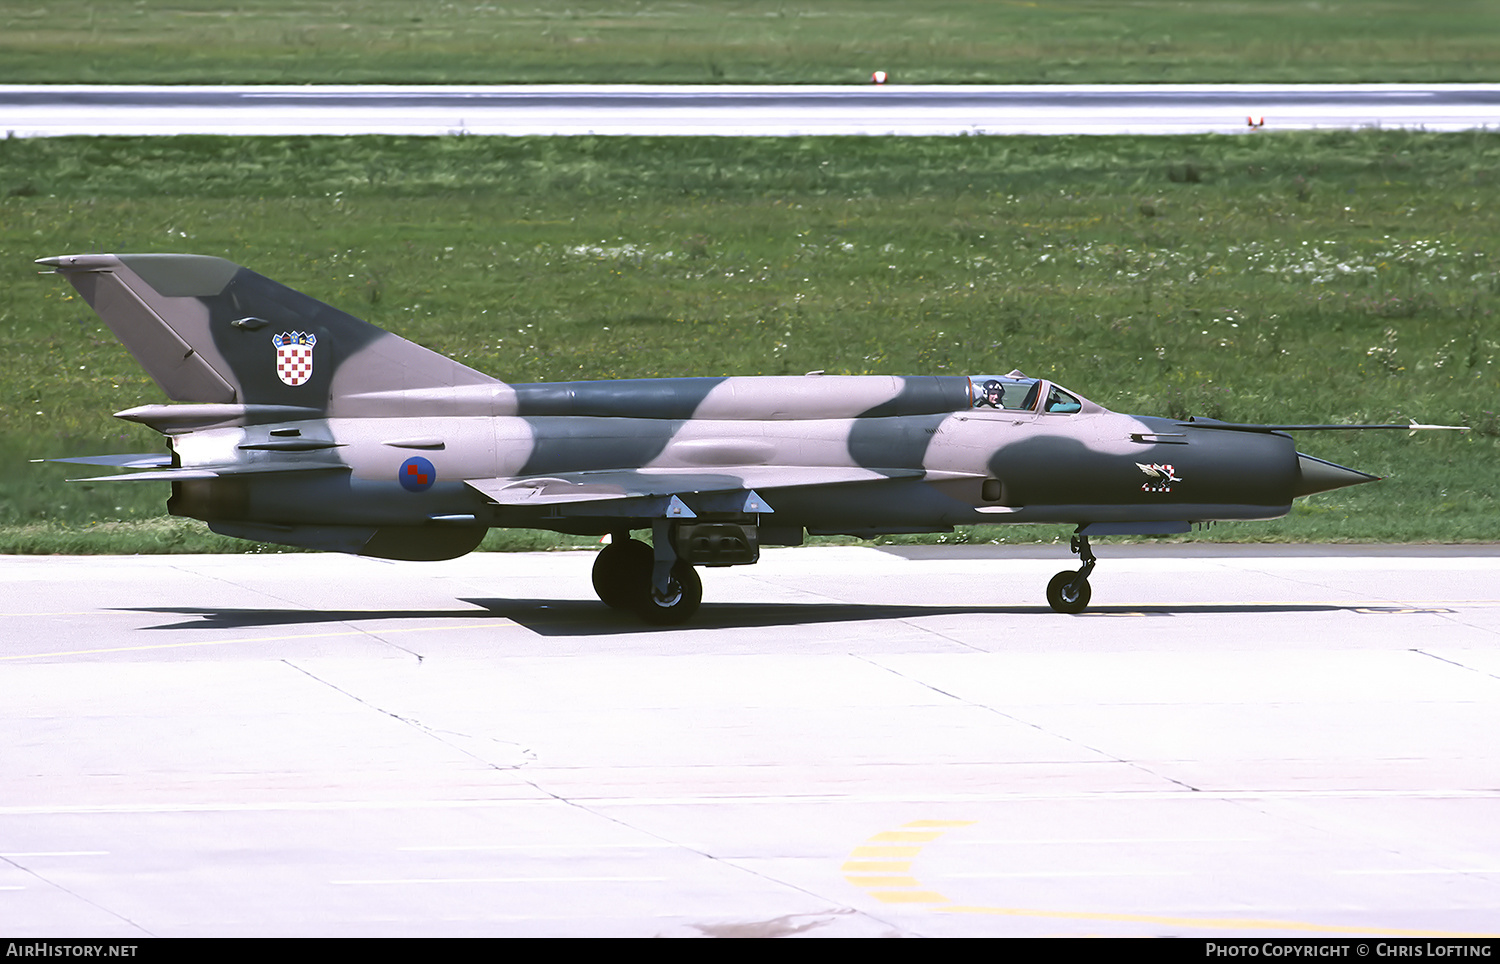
x=1069, y=592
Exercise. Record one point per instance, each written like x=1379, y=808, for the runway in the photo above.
x=1234, y=741
x=55, y=110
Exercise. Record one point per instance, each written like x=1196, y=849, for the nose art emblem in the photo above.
x=1162, y=475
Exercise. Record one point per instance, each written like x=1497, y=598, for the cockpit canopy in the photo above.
x=1017, y=393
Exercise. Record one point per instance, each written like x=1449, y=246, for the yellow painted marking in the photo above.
x=881, y=845
x=1224, y=923
x=877, y=866
x=885, y=851
x=369, y=633
x=908, y=896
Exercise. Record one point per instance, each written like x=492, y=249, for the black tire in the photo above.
x=1061, y=599
x=679, y=604
x=622, y=574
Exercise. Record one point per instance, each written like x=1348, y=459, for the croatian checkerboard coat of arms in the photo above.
x=294, y=356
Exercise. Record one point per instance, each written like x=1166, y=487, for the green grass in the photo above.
x=1284, y=277
x=743, y=41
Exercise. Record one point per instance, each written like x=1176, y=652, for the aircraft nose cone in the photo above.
x=1317, y=475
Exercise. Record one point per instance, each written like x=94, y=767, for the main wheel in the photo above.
x=1064, y=599
x=622, y=574
x=680, y=601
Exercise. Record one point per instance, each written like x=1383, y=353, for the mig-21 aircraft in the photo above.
x=297, y=424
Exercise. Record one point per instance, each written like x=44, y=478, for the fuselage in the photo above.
x=925, y=453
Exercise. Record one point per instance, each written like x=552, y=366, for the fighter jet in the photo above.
x=297, y=424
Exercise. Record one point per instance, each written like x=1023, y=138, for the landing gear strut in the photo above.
x=624, y=578
x=1068, y=592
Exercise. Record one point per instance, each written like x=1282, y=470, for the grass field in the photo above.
x=1285, y=277
x=744, y=41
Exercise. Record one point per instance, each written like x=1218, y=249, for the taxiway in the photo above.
x=1250, y=741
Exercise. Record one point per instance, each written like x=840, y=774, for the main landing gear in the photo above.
x=625, y=578
x=1068, y=592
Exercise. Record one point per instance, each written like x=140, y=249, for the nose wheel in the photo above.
x=1069, y=592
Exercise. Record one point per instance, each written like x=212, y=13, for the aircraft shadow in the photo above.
x=205, y=617
x=575, y=617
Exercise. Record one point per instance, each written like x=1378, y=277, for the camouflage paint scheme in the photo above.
x=298, y=424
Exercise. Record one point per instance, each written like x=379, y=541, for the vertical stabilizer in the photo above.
x=208, y=330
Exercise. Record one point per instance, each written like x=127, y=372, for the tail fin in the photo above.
x=207, y=330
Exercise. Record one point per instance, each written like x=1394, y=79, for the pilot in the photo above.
x=994, y=394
